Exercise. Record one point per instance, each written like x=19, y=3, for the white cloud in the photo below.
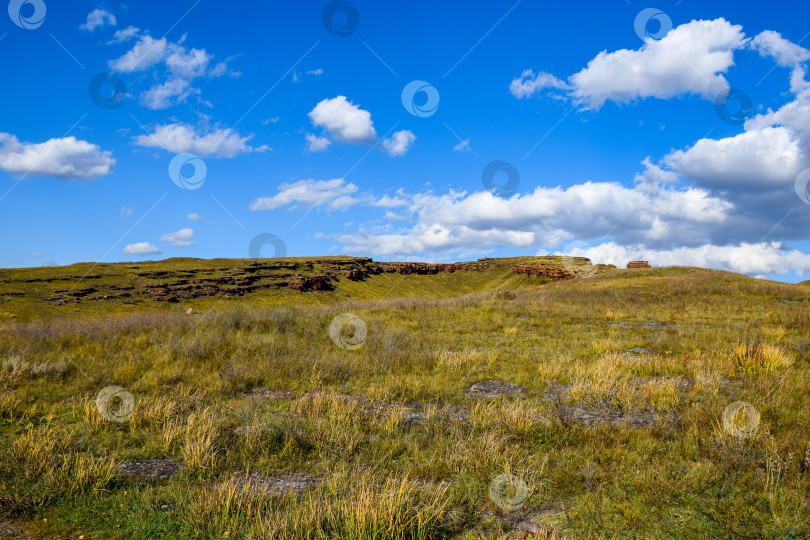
x=335, y=194
x=761, y=258
x=267, y=121
x=184, y=138
x=784, y=52
x=317, y=144
x=530, y=83
x=345, y=121
x=123, y=35
x=195, y=217
x=97, y=19
x=146, y=53
x=36, y=254
x=657, y=215
x=690, y=59
x=399, y=143
x=170, y=92
x=179, y=239
x=126, y=211
x=759, y=159
x=315, y=72
x=141, y=248
x=181, y=65
x=67, y=158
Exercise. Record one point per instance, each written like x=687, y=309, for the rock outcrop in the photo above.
x=638, y=264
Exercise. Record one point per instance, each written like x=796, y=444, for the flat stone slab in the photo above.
x=495, y=389
x=275, y=485
x=592, y=417
x=152, y=469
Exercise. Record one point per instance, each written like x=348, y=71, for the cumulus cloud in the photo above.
x=317, y=144
x=181, y=137
x=179, y=239
x=399, y=143
x=344, y=121
x=661, y=216
x=97, y=19
x=784, y=52
x=141, y=248
x=334, y=194
x=760, y=258
x=690, y=59
x=195, y=217
x=181, y=67
x=67, y=158
x=759, y=159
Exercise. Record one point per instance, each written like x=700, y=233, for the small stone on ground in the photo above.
x=591, y=417
x=153, y=469
x=494, y=389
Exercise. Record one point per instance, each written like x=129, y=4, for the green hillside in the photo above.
x=472, y=403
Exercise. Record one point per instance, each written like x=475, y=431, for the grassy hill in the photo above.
x=343, y=398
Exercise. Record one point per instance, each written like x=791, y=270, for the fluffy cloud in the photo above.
x=690, y=59
x=179, y=239
x=97, y=19
x=399, y=143
x=184, y=138
x=181, y=65
x=658, y=215
x=529, y=83
x=195, y=217
x=785, y=53
x=67, y=158
x=344, y=121
x=759, y=159
x=335, y=194
x=761, y=258
x=317, y=144
x=141, y=248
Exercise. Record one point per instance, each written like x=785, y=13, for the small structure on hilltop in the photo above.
x=638, y=264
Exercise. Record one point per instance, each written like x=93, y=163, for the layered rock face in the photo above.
x=638, y=264
x=232, y=279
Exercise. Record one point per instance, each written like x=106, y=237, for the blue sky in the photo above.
x=613, y=140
